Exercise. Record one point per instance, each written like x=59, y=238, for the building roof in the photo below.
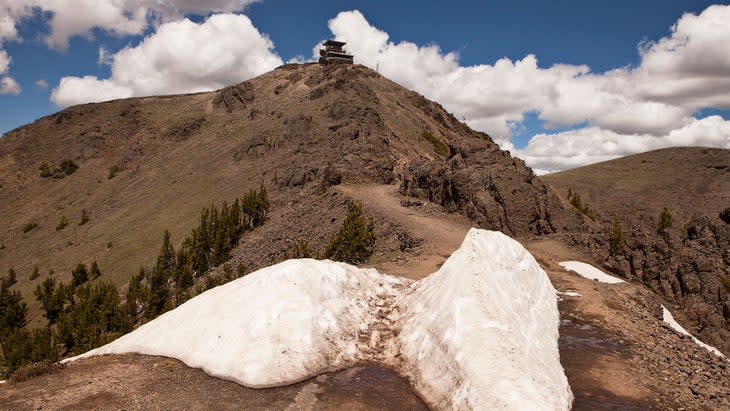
x=334, y=43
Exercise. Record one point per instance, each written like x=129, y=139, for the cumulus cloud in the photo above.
x=121, y=17
x=41, y=83
x=7, y=28
x=4, y=61
x=8, y=85
x=180, y=57
x=552, y=152
x=627, y=109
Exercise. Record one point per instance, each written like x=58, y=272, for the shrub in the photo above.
x=113, y=170
x=725, y=215
x=578, y=204
x=300, y=250
x=35, y=274
x=29, y=226
x=67, y=167
x=725, y=281
x=45, y=170
x=665, y=220
x=84, y=217
x=354, y=243
x=62, y=223
x=616, y=241
x=438, y=146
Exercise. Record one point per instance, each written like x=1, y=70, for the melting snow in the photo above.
x=669, y=319
x=590, y=272
x=482, y=332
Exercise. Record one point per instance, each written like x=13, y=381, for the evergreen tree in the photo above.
x=50, y=298
x=616, y=241
x=24, y=347
x=35, y=274
x=95, y=271
x=137, y=294
x=79, y=275
x=354, y=243
x=13, y=310
x=94, y=319
x=665, y=220
x=12, y=278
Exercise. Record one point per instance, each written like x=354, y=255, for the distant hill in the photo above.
x=688, y=262
x=689, y=181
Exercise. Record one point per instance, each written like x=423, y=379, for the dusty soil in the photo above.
x=140, y=382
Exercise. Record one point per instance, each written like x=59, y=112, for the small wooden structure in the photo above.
x=333, y=53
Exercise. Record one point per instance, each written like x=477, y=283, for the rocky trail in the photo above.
x=615, y=350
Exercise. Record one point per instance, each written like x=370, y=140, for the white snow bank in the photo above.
x=590, y=272
x=482, y=332
x=669, y=319
x=273, y=327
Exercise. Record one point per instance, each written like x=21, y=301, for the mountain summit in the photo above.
x=150, y=164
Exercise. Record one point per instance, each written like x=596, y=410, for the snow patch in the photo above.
x=590, y=272
x=568, y=293
x=668, y=318
x=482, y=332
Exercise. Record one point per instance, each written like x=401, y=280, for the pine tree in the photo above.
x=616, y=241
x=354, y=243
x=137, y=295
x=94, y=319
x=665, y=220
x=79, y=275
x=13, y=310
x=95, y=271
x=50, y=298
x=35, y=274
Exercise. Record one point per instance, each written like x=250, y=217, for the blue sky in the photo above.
x=601, y=36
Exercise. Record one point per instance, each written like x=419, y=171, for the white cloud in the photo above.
x=691, y=67
x=553, y=152
x=4, y=61
x=7, y=28
x=41, y=83
x=498, y=95
x=8, y=85
x=180, y=57
x=71, y=18
x=627, y=110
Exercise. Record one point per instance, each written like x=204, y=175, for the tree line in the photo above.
x=87, y=312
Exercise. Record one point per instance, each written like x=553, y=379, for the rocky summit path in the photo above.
x=616, y=352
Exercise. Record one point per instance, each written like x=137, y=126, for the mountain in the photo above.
x=685, y=262
x=318, y=137
x=300, y=130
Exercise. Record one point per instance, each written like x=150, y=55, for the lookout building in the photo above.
x=333, y=53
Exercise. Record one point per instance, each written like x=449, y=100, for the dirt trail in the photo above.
x=441, y=233
x=597, y=330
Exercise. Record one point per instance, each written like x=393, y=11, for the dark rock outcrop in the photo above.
x=490, y=187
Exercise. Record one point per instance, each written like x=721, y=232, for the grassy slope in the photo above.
x=688, y=181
